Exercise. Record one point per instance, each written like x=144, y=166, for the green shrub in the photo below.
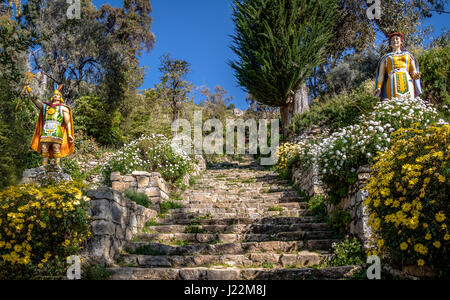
x=152, y=154
x=95, y=118
x=139, y=198
x=96, y=272
x=40, y=227
x=408, y=199
x=435, y=68
x=339, y=220
x=194, y=229
x=276, y=208
x=317, y=205
x=338, y=111
x=347, y=252
x=168, y=205
x=16, y=130
x=146, y=250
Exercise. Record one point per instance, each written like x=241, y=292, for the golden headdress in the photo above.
x=58, y=92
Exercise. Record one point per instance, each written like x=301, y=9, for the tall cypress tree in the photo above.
x=278, y=43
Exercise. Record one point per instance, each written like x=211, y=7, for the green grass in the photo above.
x=139, y=198
x=250, y=180
x=166, y=206
x=181, y=243
x=96, y=272
x=267, y=265
x=146, y=250
x=208, y=216
x=176, y=195
x=152, y=222
x=194, y=229
x=276, y=208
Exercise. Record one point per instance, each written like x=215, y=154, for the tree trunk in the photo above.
x=298, y=104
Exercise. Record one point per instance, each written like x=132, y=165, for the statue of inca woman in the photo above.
x=53, y=136
x=398, y=72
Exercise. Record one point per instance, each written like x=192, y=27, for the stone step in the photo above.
x=173, y=217
x=205, y=220
x=233, y=237
x=300, y=260
x=238, y=210
x=286, y=247
x=243, y=228
x=243, y=201
x=330, y=273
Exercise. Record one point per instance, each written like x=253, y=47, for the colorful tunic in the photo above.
x=397, y=80
x=53, y=119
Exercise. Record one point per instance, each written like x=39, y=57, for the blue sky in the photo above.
x=198, y=31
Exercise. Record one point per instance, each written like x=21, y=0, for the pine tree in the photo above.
x=278, y=44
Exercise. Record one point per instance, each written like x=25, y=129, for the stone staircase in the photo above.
x=239, y=221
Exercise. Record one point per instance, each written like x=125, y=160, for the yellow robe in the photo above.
x=399, y=82
x=66, y=147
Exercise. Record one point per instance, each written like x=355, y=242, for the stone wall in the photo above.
x=114, y=222
x=307, y=180
x=353, y=204
x=151, y=184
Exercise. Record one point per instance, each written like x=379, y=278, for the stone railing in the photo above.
x=151, y=184
x=309, y=181
x=114, y=221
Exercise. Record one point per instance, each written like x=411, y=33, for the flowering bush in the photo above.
x=40, y=227
x=408, y=198
x=340, y=154
x=154, y=153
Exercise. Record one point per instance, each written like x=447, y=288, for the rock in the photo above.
x=152, y=192
x=45, y=174
x=128, y=178
x=141, y=173
x=142, y=181
x=115, y=176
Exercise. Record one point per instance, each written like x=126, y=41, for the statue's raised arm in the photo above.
x=397, y=72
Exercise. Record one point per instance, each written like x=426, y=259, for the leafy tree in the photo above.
x=279, y=43
x=259, y=111
x=98, y=51
x=16, y=121
x=215, y=104
x=173, y=86
x=351, y=71
x=355, y=33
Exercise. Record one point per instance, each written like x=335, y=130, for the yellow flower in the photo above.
x=420, y=262
x=40, y=266
x=437, y=244
x=428, y=236
x=406, y=207
x=404, y=246
x=440, y=217
x=441, y=178
x=447, y=237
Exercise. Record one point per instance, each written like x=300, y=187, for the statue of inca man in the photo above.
x=53, y=136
